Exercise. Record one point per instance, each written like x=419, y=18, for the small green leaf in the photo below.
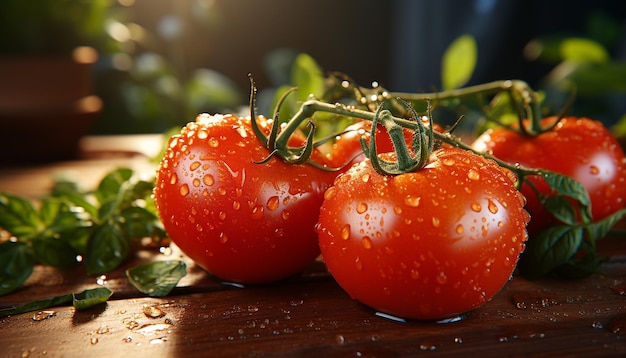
x=18, y=216
x=106, y=249
x=568, y=186
x=17, y=262
x=600, y=229
x=549, y=249
x=110, y=185
x=157, y=278
x=82, y=300
x=308, y=76
x=37, y=305
x=458, y=62
x=578, y=49
x=90, y=298
x=54, y=252
x=139, y=222
x=561, y=208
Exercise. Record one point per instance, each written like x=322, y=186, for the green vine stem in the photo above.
x=524, y=100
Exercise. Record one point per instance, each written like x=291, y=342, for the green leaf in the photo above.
x=561, y=208
x=37, y=305
x=54, y=252
x=106, y=249
x=583, y=50
x=600, y=229
x=157, y=278
x=308, y=76
x=549, y=249
x=18, y=216
x=139, y=222
x=110, y=185
x=458, y=62
x=69, y=192
x=90, y=298
x=81, y=300
x=16, y=265
x=567, y=186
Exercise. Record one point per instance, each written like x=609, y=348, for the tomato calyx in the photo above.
x=405, y=162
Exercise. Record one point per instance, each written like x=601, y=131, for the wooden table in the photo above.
x=307, y=316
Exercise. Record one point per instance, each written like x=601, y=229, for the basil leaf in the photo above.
x=17, y=265
x=54, y=252
x=157, y=278
x=110, y=185
x=37, y=305
x=601, y=228
x=549, y=249
x=139, y=222
x=458, y=62
x=18, y=216
x=82, y=300
x=106, y=249
x=90, y=298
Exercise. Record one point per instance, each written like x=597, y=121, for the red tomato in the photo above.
x=429, y=244
x=241, y=221
x=347, y=148
x=577, y=147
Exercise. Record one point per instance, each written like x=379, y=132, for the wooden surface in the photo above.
x=307, y=316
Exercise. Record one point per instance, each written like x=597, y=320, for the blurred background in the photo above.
x=157, y=63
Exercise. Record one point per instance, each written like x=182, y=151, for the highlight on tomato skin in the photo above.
x=430, y=244
x=242, y=221
x=580, y=148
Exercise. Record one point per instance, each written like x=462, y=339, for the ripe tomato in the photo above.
x=241, y=221
x=429, y=244
x=577, y=147
x=347, y=148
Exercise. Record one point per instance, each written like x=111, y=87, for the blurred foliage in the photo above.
x=585, y=63
x=148, y=86
x=37, y=27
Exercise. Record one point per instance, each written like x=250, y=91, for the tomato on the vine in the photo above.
x=242, y=221
x=580, y=148
x=428, y=244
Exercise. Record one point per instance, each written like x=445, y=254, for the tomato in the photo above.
x=347, y=148
x=428, y=244
x=577, y=147
x=241, y=221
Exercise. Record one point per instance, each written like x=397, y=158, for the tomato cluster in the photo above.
x=427, y=244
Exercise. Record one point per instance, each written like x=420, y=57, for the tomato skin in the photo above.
x=430, y=244
x=241, y=221
x=577, y=147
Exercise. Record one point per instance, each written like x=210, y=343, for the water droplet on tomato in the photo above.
x=366, y=242
x=442, y=279
x=594, y=170
x=222, y=215
x=459, y=229
x=365, y=178
x=412, y=201
x=184, y=190
x=345, y=232
x=284, y=215
x=330, y=193
x=493, y=208
x=236, y=205
x=436, y=221
x=397, y=210
x=361, y=208
x=473, y=174
x=194, y=166
x=279, y=232
x=415, y=274
x=448, y=162
x=273, y=202
x=223, y=238
x=358, y=264
x=195, y=182
x=213, y=142
x=174, y=179
x=476, y=207
x=257, y=212
x=208, y=179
